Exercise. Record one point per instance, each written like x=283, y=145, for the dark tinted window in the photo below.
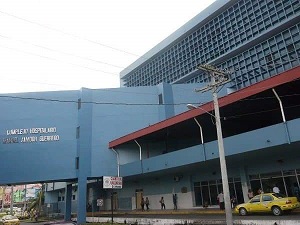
x=266, y=198
x=277, y=195
x=255, y=199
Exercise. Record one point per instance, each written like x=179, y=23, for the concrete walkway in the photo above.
x=190, y=216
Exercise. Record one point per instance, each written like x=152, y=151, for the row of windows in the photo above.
x=271, y=57
x=62, y=198
x=238, y=24
x=206, y=192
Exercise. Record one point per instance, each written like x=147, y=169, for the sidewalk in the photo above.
x=188, y=216
x=160, y=212
x=194, y=211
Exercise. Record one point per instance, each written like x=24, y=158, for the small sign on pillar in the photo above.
x=112, y=182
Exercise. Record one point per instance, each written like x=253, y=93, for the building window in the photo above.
x=77, y=132
x=160, y=99
x=77, y=163
x=61, y=198
x=79, y=103
x=290, y=48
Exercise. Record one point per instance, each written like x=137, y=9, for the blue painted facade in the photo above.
x=64, y=135
x=256, y=40
x=38, y=110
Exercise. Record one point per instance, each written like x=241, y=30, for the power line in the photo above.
x=112, y=103
x=68, y=34
x=107, y=46
x=90, y=102
x=50, y=58
x=149, y=104
x=65, y=53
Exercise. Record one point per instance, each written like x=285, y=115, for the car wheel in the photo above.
x=242, y=211
x=276, y=211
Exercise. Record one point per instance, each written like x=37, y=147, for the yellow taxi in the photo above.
x=268, y=202
x=9, y=220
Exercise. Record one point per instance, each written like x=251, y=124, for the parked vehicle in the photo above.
x=268, y=202
x=9, y=220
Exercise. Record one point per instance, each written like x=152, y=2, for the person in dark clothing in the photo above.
x=147, y=203
x=175, y=201
x=162, y=203
x=143, y=204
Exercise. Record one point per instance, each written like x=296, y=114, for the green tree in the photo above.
x=35, y=205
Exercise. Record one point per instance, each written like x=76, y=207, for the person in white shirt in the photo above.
x=276, y=189
x=221, y=200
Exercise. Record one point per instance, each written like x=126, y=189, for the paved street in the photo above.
x=171, y=217
x=193, y=216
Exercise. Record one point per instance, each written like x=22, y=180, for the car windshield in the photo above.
x=277, y=195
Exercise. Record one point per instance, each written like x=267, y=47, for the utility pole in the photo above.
x=11, y=199
x=3, y=197
x=218, y=78
x=25, y=199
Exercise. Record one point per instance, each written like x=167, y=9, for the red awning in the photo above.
x=259, y=87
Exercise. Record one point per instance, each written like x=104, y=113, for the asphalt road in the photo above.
x=211, y=217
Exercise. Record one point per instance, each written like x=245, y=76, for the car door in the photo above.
x=266, y=203
x=254, y=204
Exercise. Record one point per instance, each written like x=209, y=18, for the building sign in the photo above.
x=112, y=182
x=30, y=135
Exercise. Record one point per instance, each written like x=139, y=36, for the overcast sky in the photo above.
x=48, y=45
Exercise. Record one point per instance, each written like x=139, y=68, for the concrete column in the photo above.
x=81, y=201
x=245, y=182
x=84, y=149
x=68, y=202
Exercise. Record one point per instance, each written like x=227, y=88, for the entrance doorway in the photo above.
x=206, y=192
x=138, y=198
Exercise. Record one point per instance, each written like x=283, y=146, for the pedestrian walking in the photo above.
x=175, y=201
x=220, y=198
x=147, y=203
x=143, y=204
x=162, y=203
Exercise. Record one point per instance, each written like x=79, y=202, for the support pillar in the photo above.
x=245, y=182
x=81, y=201
x=68, y=202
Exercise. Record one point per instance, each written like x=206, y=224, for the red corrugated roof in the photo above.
x=272, y=82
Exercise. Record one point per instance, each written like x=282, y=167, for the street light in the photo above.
x=218, y=78
x=191, y=106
